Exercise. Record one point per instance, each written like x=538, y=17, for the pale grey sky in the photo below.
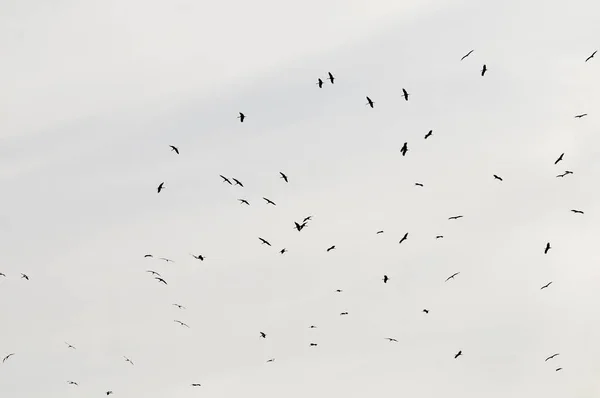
x=93, y=94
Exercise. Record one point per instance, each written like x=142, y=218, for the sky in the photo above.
x=93, y=94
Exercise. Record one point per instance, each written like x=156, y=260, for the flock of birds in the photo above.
x=299, y=226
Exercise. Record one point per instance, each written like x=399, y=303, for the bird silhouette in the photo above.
x=403, y=238
x=339, y=291
x=148, y=255
x=567, y=172
x=452, y=276
x=498, y=178
x=161, y=186
x=244, y=202
x=241, y=117
x=225, y=179
x=237, y=182
x=264, y=241
x=174, y=148
x=306, y=219
x=181, y=307
x=391, y=339
x=128, y=360
x=467, y=54
x=425, y=310
x=577, y=211
x=546, y=285
x=269, y=201
x=379, y=232
x=198, y=257
x=557, y=369
x=429, y=133
x=385, y=279
x=331, y=78
x=153, y=272
x=23, y=276
x=1, y=274
x=418, y=184
x=459, y=353
x=454, y=217
x=181, y=323
x=312, y=327
x=343, y=313
x=331, y=248
x=547, y=248
x=72, y=383
x=282, y=251
x=580, y=116
x=109, y=392
x=559, y=158
x=166, y=259
x=439, y=236
x=8, y=356
x=483, y=70
x=195, y=384
x=404, y=149
x=69, y=345
x=320, y=83
x=551, y=356
x=370, y=102
x=161, y=280
x=313, y=344
x=299, y=226
x=283, y=176
x=591, y=56
x=405, y=94
x=263, y=335
x=271, y=360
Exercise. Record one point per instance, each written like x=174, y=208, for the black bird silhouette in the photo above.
x=128, y=360
x=263, y=335
x=69, y=345
x=379, y=232
x=308, y=218
x=244, y=202
x=195, y=384
x=455, y=217
x=483, y=70
x=551, y=356
x=153, y=272
x=237, y=182
x=385, y=279
x=429, y=133
x=391, y=339
x=160, y=187
x=166, y=259
x=109, y=392
x=313, y=344
x=403, y=238
x=312, y=327
x=271, y=360
x=580, y=116
x=282, y=251
x=557, y=369
x=331, y=78
x=320, y=83
x=299, y=226
x=577, y=211
x=72, y=383
x=404, y=149
x=418, y=184
x=466, y=55
x=283, y=176
x=198, y=257
x=546, y=285
x=339, y=291
x=161, y=280
x=425, y=310
x=225, y=179
x=405, y=94
x=181, y=307
x=264, y=241
x=439, y=236
x=241, y=117
x=498, y=178
x=1, y=274
x=452, y=276
x=331, y=248
x=459, y=353
x=559, y=158
x=343, y=313
x=269, y=201
x=547, y=248
x=148, y=255
x=23, y=276
x=370, y=102
x=591, y=56
x=174, y=148
x=565, y=173
x=181, y=323
x=8, y=356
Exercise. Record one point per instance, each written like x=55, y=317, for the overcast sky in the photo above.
x=92, y=95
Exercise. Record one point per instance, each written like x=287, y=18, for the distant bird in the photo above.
x=128, y=360
x=565, y=173
x=580, y=116
x=498, y=178
x=181, y=323
x=379, y=232
x=174, y=148
x=459, y=353
x=403, y=238
x=148, y=255
x=331, y=248
x=264, y=241
x=483, y=70
x=1, y=274
x=547, y=248
x=591, y=56
x=237, y=182
x=320, y=83
x=546, y=285
x=198, y=257
x=225, y=179
x=385, y=279
x=282, y=251
x=455, y=217
x=263, y=335
x=418, y=184
x=577, y=211
x=269, y=201
x=466, y=55
x=404, y=149
x=439, y=236
x=313, y=344
x=271, y=360
x=23, y=276
x=331, y=78
x=557, y=369
x=168, y=260
x=391, y=339
x=181, y=307
x=552, y=356
x=160, y=187
x=153, y=272
x=312, y=327
x=299, y=226
x=244, y=202
x=370, y=102
x=161, y=280
x=109, y=392
x=241, y=117
x=425, y=310
x=559, y=158
x=72, y=383
x=307, y=218
x=339, y=291
x=8, y=356
x=452, y=276
x=428, y=134
x=405, y=94
x=69, y=345
x=283, y=176
x=195, y=384
x=343, y=313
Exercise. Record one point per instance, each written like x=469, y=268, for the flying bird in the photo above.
x=391, y=339
x=271, y=360
x=565, y=173
x=339, y=291
x=166, y=259
x=425, y=310
x=23, y=276
x=454, y=217
x=153, y=272
x=331, y=248
x=72, y=383
x=312, y=327
x=307, y=218
x=483, y=70
x=241, y=117
x=546, y=285
x=174, y=148
x=559, y=158
x=8, y=356
x=299, y=226
x=181, y=307
x=282, y=251
x=403, y=238
x=404, y=149
x=320, y=83
x=195, y=384
x=244, y=202
x=551, y=356
x=181, y=323
x=557, y=369
x=580, y=116
x=1, y=274
x=379, y=232
x=161, y=280
x=225, y=179
x=466, y=55
x=283, y=176
x=547, y=248
x=69, y=345
x=591, y=56
x=439, y=236
x=160, y=187
x=498, y=178
x=269, y=201
x=577, y=211
x=343, y=313
x=385, y=279
x=418, y=184
x=109, y=392
x=263, y=335
x=452, y=276
x=459, y=353
x=370, y=102
x=331, y=78
x=313, y=344
x=148, y=255
x=237, y=182
x=128, y=360
x=405, y=94
x=198, y=257
x=428, y=134
x=264, y=241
